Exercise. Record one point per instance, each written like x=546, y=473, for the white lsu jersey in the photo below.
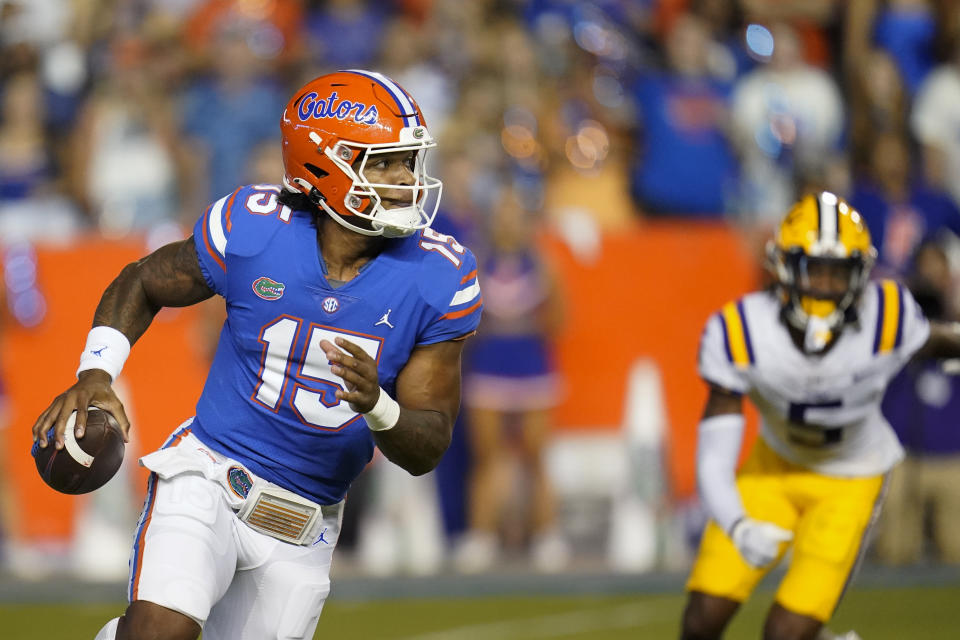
x=821, y=411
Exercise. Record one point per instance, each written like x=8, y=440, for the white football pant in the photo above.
x=193, y=555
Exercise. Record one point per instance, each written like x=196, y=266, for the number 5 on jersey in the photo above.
x=312, y=396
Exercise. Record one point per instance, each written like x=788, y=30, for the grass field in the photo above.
x=922, y=613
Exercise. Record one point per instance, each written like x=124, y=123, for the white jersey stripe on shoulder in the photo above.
x=217, y=234
x=466, y=295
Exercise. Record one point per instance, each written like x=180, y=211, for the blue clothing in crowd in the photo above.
x=923, y=215
x=684, y=162
x=231, y=123
x=923, y=406
x=908, y=36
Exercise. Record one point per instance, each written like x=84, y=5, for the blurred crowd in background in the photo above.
x=125, y=115
x=122, y=117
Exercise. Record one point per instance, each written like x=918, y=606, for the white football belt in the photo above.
x=281, y=514
x=265, y=507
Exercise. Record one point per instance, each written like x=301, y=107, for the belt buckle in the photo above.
x=279, y=513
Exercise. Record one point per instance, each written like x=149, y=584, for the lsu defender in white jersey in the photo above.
x=814, y=354
x=819, y=410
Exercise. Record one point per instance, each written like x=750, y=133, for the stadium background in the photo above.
x=626, y=127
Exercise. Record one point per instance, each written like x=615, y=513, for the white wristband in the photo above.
x=384, y=414
x=106, y=349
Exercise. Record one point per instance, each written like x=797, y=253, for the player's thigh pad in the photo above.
x=184, y=553
x=280, y=599
x=719, y=569
x=829, y=539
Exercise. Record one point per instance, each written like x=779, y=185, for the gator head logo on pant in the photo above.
x=240, y=481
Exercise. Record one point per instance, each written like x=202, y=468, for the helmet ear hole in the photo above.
x=317, y=171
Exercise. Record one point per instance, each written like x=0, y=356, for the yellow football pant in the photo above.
x=830, y=517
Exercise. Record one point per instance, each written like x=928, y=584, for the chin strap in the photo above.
x=818, y=331
x=380, y=227
x=817, y=334
x=336, y=216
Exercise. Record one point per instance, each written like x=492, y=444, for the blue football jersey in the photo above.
x=269, y=398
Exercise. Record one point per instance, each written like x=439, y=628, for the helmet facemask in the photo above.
x=363, y=201
x=820, y=292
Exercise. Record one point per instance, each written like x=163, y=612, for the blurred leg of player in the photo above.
x=830, y=517
x=536, y=431
x=705, y=616
x=183, y=559
x=487, y=490
x=549, y=551
x=900, y=536
x=943, y=475
x=196, y=565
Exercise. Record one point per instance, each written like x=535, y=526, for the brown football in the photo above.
x=84, y=464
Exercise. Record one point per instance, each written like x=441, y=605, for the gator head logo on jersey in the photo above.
x=335, y=133
x=268, y=289
x=821, y=258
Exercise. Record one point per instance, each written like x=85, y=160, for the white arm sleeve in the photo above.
x=718, y=447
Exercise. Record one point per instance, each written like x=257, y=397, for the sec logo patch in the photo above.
x=330, y=304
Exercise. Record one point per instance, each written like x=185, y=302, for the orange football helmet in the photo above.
x=331, y=129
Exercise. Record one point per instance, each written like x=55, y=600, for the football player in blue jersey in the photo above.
x=346, y=316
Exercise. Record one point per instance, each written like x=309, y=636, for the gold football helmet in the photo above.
x=821, y=259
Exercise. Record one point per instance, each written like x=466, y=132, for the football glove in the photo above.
x=758, y=541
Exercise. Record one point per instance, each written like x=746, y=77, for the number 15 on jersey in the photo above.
x=311, y=396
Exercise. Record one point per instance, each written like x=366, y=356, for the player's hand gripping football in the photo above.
x=359, y=373
x=92, y=389
x=758, y=541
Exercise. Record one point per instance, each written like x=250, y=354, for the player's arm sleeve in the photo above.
x=720, y=435
x=455, y=304
x=715, y=362
x=211, y=233
x=719, y=439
